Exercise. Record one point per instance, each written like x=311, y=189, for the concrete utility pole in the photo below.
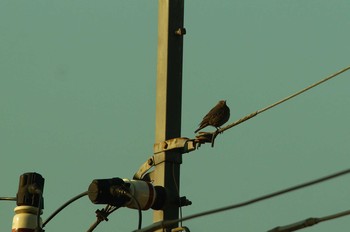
x=168, y=103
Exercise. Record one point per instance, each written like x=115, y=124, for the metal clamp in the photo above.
x=184, y=145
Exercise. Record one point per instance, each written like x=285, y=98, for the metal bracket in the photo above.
x=185, y=145
x=139, y=175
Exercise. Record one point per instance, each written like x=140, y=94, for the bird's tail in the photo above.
x=200, y=128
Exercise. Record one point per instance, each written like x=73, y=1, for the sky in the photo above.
x=77, y=103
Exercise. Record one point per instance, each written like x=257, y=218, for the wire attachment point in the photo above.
x=102, y=215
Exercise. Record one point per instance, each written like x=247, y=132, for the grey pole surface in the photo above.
x=168, y=102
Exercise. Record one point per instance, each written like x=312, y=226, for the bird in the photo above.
x=216, y=117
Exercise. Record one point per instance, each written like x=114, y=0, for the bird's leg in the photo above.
x=217, y=129
x=214, y=136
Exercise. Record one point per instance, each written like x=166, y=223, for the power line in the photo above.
x=281, y=101
x=164, y=224
x=210, y=137
x=334, y=216
x=308, y=222
x=63, y=206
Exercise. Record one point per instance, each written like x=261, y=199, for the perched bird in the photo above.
x=216, y=116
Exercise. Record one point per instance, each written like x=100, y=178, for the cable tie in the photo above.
x=102, y=215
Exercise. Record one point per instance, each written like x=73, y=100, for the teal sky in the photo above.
x=77, y=101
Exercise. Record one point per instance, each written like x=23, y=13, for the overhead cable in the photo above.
x=168, y=223
x=63, y=206
x=281, y=101
x=308, y=222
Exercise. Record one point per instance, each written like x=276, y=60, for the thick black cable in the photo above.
x=165, y=224
x=8, y=198
x=63, y=206
x=138, y=208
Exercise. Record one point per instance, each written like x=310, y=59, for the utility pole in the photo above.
x=168, y=103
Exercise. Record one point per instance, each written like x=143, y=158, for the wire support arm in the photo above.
x=184, y=145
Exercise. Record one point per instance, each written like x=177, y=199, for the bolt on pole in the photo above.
x=169, y=101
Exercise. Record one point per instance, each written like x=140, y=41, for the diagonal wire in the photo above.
x=334, y=216
x=281, y=101
x=210, y=137
x=63, y=206
x=308, y=222
x=165, y=224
